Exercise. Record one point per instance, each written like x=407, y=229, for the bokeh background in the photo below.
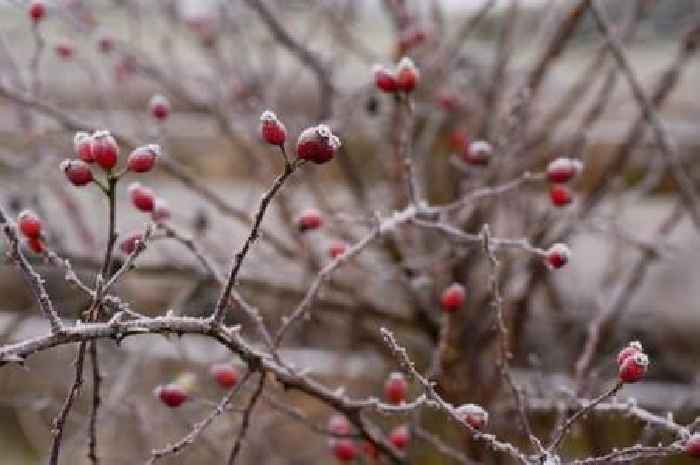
x=220, y=67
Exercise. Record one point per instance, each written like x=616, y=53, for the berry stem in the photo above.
x=218, y=315
x=560, y=433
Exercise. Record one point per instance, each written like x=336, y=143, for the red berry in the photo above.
x=396, y=388
x=128, y=245
x=558, y=255
x=452, y=297
x=29, y=224
x=271, y=129
x=105, y=149
x=77, y=171
x=310, y=219
x=560, y=195
x=459, y=139
x=407, y=75
x=692, y=445
x=563, y=169
x=37, y=10
x=449, y=101
x=160, y=107
x=64, y=49
x=633, y=348
x=400, y=437
x=344, y=449
x=225, y=374
x=317, y=144
x=142, y=197
x=477, y=153
x=161, y=210
x=385, y=80
x=105, y=44
x=82, y=144
x=338, y=424
x=337, y=249
x=473, y=415
x=634, y=368
x=142, y=159
x=35, y=245
x=172, y=395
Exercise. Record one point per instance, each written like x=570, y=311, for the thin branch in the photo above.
x=245, y=423
x=668, y=150
x=60, y=420
x=36, y=282
x=221, y=304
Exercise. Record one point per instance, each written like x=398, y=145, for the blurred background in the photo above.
x=221, y=64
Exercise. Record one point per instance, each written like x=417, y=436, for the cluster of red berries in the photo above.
x=346, y=449
x=317, y=143
x=632, y=363
x=30, y=226
x=178, y=392
x=403, y=79
x=559, y=172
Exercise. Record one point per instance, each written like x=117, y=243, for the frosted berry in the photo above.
x=634, y=368
x=37, y=10
x=337, y=248
x=82, y=144
x=317, y=144
x=563, y=169
x=407, y=75
x=272, y=130
x=558, y=255
x=172, y=395
x=161, y=210
x=29, y=224
x=339, y=425
x=633, y=348
x=344, y=449
x=396, y=388
x=142, y=159
x=477, y=153
x=560, y=195
x=159, y=107
x=105, y=149
x=452, y=297
x=309, y=220
x=64, y=49
x=128, y=244
x=692, y=445
x=141, y=196
x=77, y=171
x=385, y=80
x=225, y=374
x=400, y=437
x=473, y=415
